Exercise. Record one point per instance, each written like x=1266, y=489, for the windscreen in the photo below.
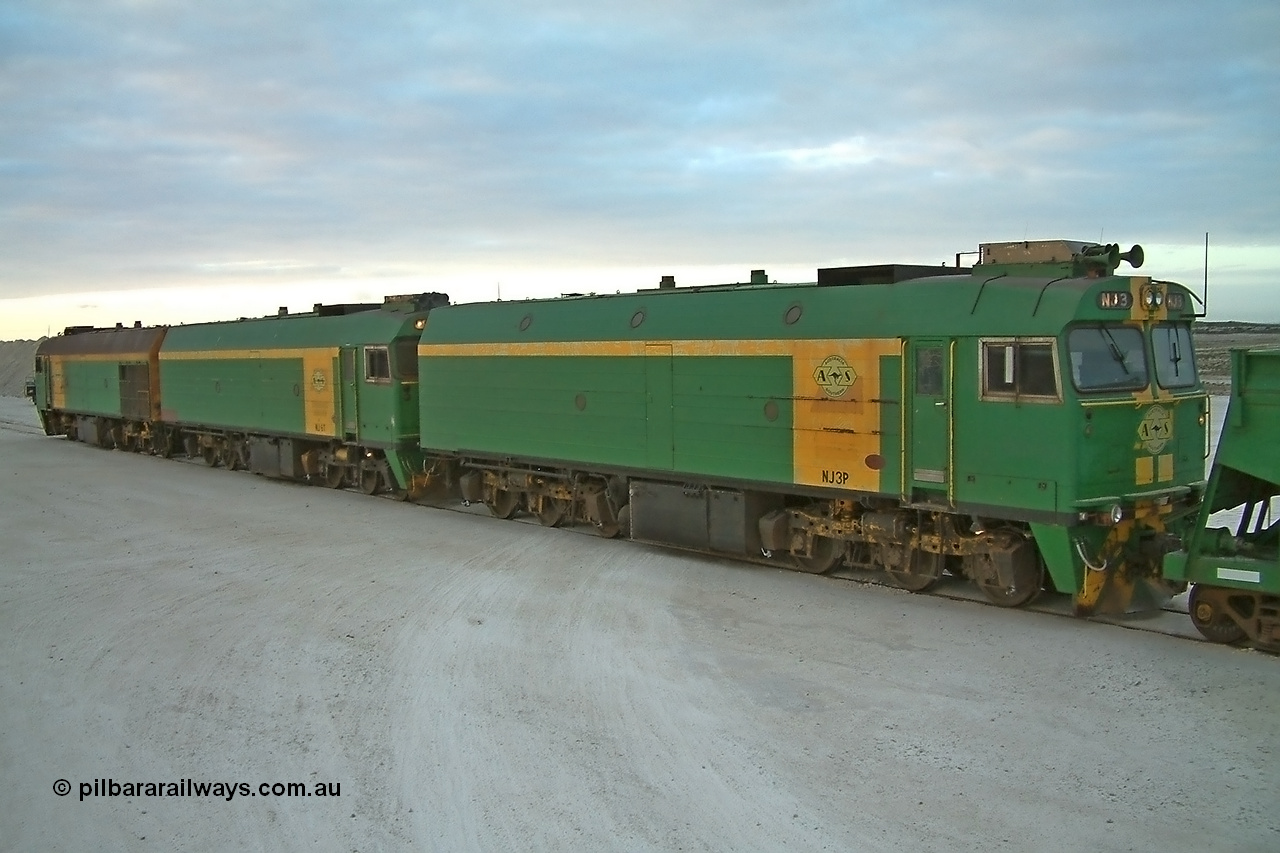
x=1107, y=358
x=1175, y=359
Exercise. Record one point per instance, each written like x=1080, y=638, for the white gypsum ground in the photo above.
x=474, y=684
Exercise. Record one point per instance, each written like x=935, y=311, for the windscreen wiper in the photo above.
x=1116, y=352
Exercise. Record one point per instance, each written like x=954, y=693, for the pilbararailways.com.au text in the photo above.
x=191, y=788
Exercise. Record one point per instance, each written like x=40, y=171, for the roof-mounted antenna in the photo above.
x=1204, y=303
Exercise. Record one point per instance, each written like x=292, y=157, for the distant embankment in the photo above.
x=1214, y=341
x=17, y=361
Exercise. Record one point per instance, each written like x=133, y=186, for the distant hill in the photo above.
x=17, y=362
x=1236, y=327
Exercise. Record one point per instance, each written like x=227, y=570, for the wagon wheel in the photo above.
x=823, y=556
x=503, y=504
x=1207, y=607
x=210, y=455
x=335, y=476
x=551, y=511
x=920, y=573
x=370, y=480
x=1028, y=579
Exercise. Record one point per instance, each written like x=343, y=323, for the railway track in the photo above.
x=1172, y=620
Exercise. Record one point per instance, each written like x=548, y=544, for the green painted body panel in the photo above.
x=487, y=402
x=946, y=307
x=719, y=427
x=1246, y=470
x=600, y=410
x=1054, y=542
x=93, y=387
x=260, y=394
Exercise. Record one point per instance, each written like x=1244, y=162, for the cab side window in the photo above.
x=1019, y=369
x=377, y=365
x=406, y=361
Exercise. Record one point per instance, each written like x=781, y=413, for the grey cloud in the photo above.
x=148, y=143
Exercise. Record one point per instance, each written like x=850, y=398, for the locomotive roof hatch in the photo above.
x=882, y=274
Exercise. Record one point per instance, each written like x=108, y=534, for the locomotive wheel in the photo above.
x=608, y=530
x=503, y=504
x=210, y=455
x=162, y=444
x=335, y=476
x=1028, y=579
x=920, y=572
x=551, y=511
x=370, y=480
x=1207, y=607
x=231, y=458
x=909, y=581
x=823, y=556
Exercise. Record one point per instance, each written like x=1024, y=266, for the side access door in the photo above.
x=659, y=417
x=349, y=400
x=44, y=391
x=929, y=467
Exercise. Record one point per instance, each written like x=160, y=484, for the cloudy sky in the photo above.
x=178, y=160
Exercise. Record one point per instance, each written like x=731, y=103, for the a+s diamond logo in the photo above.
x=835, y=376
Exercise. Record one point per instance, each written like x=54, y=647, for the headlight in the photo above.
x=1116, y=514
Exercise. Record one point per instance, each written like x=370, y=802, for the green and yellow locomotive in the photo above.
x=1035, y=416
x=1033, y=421
x=101, y=386
x=328, y=395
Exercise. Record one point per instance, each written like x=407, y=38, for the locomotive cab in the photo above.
x=1130, y=465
